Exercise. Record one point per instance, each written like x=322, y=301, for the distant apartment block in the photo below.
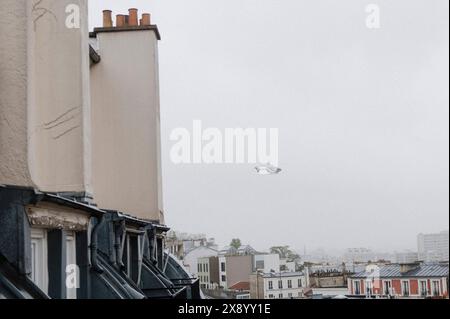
x=208, y=272
x=222, y=271
x=401, y=281
x=232, y=251
x=191, y=258
x=405, y=257
x=267, y=263
x=179, y=244
x=234, y=269
x=359, y=255
x=284, y=285
x=433, y=247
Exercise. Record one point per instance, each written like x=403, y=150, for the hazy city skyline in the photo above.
x=362, y=117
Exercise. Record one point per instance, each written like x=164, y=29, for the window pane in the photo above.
x=39, y=257
x=71, y=260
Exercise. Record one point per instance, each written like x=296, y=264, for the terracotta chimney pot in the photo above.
x=107, y=19
x=145, y=19
x=133, y=17
x=120, y=20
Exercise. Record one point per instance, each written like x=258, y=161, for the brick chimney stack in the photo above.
x=131, y=50
x=126, y=20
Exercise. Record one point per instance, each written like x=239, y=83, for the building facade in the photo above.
x=81, y=212
x=208, y=272
x=222, y=272
x=267, y=263
x=234, y=269
x=401, y=281
x=405, y=257
x=359, y=254
x=179, y=244
x=191, y=258
x=284, y=285
x=433, y=247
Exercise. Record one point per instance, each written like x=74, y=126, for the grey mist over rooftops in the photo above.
x=362, y=113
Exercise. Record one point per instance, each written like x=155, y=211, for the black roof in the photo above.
x=16, y=286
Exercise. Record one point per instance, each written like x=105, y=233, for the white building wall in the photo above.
x=222, y=274
x=406, y=257
x=285, y=292
x=359, y=254
x=126, y=124
x=433, y=247
x=287, y=265
x=204, y=274
x=271, y=262
x=44, y=96
x=58, y=96
x=190, y=260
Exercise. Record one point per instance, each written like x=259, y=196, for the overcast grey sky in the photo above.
x=362, y=113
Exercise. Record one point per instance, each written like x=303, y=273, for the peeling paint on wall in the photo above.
x=52, y=216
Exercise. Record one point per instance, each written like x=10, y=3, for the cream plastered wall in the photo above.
x=13, y=94
x=58, y=95
x=125, y=130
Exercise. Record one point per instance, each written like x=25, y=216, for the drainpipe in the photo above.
x=93, y=246
x=119, y=231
